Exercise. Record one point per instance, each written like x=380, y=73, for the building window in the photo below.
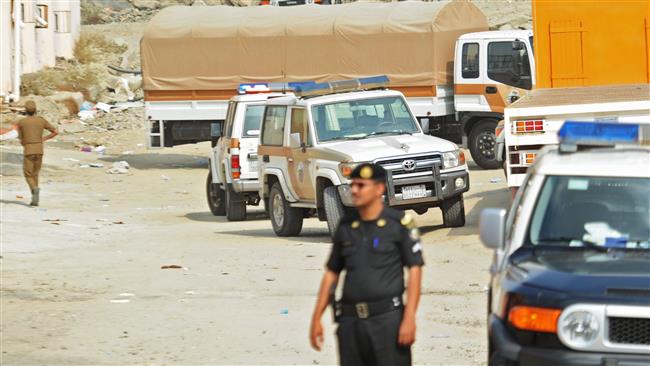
x=42, y=18
x=62, y=21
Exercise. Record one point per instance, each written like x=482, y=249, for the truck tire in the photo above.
x=216, y=197
x=286, y=220
x=334, y=209
x=235, y=205
x=453, y=212
x=482, y=140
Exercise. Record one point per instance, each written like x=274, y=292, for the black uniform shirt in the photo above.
x=374, y=254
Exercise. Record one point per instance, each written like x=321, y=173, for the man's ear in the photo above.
x=381, y=189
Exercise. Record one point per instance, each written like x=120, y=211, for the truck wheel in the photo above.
x=216, y=197
x=334, y=209
x=453, y=212
x=482, y=140
x=286, y=220
x=235, y=205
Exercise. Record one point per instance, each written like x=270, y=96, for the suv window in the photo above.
x=273, y=126
x=252, y=120
x=508, y=65
x=299, y=124
x=470, y=61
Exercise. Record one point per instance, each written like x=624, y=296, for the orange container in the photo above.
x=591, y=42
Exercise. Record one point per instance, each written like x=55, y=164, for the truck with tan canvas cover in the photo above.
x=456, y=76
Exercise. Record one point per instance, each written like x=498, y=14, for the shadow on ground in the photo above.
x=307, y=236
x=161, y=161
x=13, y=202
x=207, y=216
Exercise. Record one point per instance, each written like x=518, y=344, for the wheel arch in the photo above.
x=470, y=119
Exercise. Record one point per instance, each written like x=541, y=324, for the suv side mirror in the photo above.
x=492, y=227
x=294, y=141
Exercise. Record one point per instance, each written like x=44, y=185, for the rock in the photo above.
x=146, y=4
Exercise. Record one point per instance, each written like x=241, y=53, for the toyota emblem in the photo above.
x=408, y=165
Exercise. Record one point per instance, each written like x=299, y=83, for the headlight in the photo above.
x=578, y=329
x=452, y=159
x=347, y=168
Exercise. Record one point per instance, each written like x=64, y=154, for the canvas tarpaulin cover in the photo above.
x=219, y=47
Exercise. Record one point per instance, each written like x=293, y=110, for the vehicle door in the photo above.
x=299, y=164
x=223, y=144
x=508, y=72
x=249, y=132
x=469, y=77
x=271, y=152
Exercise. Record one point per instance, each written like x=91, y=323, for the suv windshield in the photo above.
x=351, y=120
x=592, y=212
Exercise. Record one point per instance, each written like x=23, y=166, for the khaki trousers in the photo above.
x=31, y=168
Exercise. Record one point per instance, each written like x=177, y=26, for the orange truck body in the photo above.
x=591, y=42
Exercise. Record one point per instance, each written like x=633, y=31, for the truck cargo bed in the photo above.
x=584, y=95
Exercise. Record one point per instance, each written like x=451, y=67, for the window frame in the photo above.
x=522, y=83
x=305, y=118
x=65, y=21
x=43, y=13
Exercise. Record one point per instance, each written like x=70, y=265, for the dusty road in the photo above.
x=82, y=282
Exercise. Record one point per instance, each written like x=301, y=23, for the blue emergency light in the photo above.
x=311, y=88
x=576, y=133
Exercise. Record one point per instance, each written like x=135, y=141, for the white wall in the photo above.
x=40, y=46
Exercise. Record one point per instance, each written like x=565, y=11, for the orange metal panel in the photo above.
x=591, y=42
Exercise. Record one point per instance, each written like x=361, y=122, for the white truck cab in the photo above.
x=232, y=180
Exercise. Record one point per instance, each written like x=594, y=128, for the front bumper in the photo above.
x=439, y=186
x=247, y=185
x=506, y=348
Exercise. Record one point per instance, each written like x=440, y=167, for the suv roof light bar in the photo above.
x=576, y=133
x=341, y=86
x=255, y=88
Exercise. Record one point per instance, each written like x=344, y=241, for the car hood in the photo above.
x=584, y=272
x=372, y=148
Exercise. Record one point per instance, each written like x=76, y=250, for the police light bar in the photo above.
x=603, y=133
x=341, y=86
x=255, y=88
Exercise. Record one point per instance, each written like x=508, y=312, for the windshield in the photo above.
x=592, y=212
x=359, y=119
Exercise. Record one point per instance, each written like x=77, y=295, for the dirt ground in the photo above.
x=82, y=282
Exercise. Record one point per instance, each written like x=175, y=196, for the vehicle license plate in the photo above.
x=410, y=192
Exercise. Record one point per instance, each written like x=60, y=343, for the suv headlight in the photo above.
x=452, y=159
x=578, y=329
x=347, y=168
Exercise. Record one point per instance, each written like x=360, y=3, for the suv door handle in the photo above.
x=265, y=158
x=491, y=89
x=290, y=160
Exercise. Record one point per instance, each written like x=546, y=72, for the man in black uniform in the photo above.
x=372, y=245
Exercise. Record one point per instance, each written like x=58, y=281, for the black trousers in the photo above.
x=372, y=341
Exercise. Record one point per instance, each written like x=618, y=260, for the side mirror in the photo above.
x=492, y=227
x=294, y=141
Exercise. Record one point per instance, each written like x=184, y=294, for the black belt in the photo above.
x=363, y=310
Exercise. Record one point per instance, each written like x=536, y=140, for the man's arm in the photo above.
x=407, y=328
x=328, y=284
x=53, y=131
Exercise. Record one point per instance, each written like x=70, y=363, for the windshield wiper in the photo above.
x=585, y=243
x=399, y=132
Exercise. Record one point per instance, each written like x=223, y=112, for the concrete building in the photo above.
x=47, y=29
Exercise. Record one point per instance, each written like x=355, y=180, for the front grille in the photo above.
x=629, y=330
x=424, y=163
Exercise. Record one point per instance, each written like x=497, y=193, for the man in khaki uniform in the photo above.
x=30, y=133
